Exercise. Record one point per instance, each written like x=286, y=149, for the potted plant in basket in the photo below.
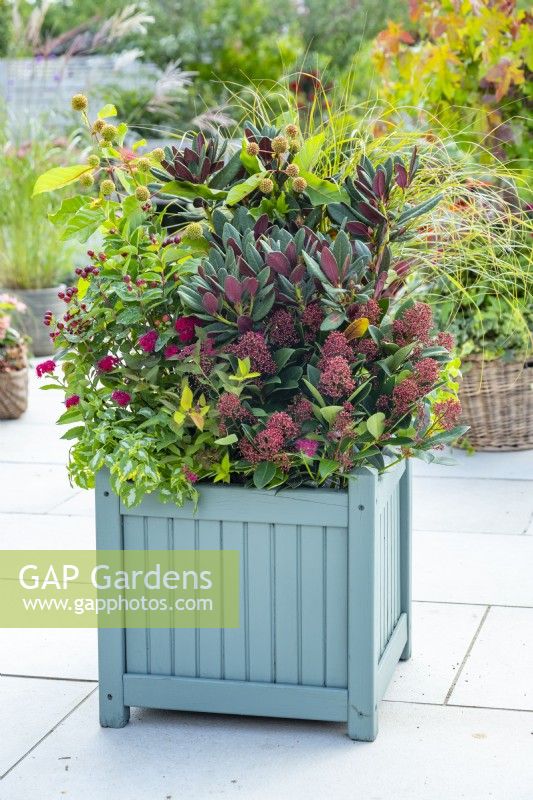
x=269, y=344
x=493, y=329
x=13, y=361
x=33, y=259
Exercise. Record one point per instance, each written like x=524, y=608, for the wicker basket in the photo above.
x=497, y=401
x=13, y=393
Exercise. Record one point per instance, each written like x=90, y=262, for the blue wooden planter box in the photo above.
x=325, y=603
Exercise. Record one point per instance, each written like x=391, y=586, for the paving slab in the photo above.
x=49, y=652
x=80, y=504
x=46, y=532
x=29, y=709
x=499, y=670
x=33, y=488
x=473, y=568
x=442, y=634
x=505, y=466
x=423, y=752
x=472, y=506
x=22, y=442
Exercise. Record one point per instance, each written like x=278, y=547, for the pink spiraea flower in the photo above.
x=308, y=447
x=336, y=379
x=147, y=341
x=448, y=413
x=191, y=476
x=184, y=327
x=171, y=350
x=73, y=400
x=45, y=367
x=108, y=363
x=120, y=397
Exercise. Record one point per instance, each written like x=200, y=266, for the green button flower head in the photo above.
x=292, y=131
x=107, y=187
x=280, y=145
x=109, y=132
x=98, y=126
x=86, y=180
x=293, y=170
x=266, y=186
x=158, y=154
x=194, y=230
x=299, y=184
x=143, y=164
x=252, y=148
x=93, y=161
x=79, y=102
x=142, y=193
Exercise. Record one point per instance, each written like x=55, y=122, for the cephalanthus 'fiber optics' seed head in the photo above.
x=294, y=145
x=280, y=145
x=107, y=188
x=86, y=180
x=158, y=154
x=144, y=164
x=299, y=184
x=93, y=161
x=292, y=131
x=109, y=132
x=142, y=193
x=98, y=126
x=79, y=102
x=293, y=170
x=266, y=186
x=194, y=230
x=252, y=148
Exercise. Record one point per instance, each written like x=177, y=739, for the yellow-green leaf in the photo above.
x=186, y=399
x=108, y=110
x=58, y=177
x=357, y=328
x=83, y=285
x=178, y=417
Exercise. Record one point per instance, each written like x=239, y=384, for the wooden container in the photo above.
x=325, y=598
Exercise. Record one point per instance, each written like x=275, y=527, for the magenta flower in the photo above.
x=191, y=476
x=148, y=341
x=184, y=327
x=73, y=400
x=108, y=363
x=120, y=397
x=45, y=367
x=171, y=350
x=308, y=447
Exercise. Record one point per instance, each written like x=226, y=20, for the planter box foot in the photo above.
x=362, y=727
x=112, y=713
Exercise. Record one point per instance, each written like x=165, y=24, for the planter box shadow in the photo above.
x=325, y=595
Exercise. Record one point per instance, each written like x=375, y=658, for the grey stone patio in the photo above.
x=456, y=722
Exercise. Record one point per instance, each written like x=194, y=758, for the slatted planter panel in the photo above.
x=324, y=603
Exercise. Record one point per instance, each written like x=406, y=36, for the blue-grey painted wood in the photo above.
x=114, y=713
x=236, y=697
x=336, y=612
x=405, y=554
x=363, y=608
x=391, y=655
x=232, y=504
x=324, y=602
